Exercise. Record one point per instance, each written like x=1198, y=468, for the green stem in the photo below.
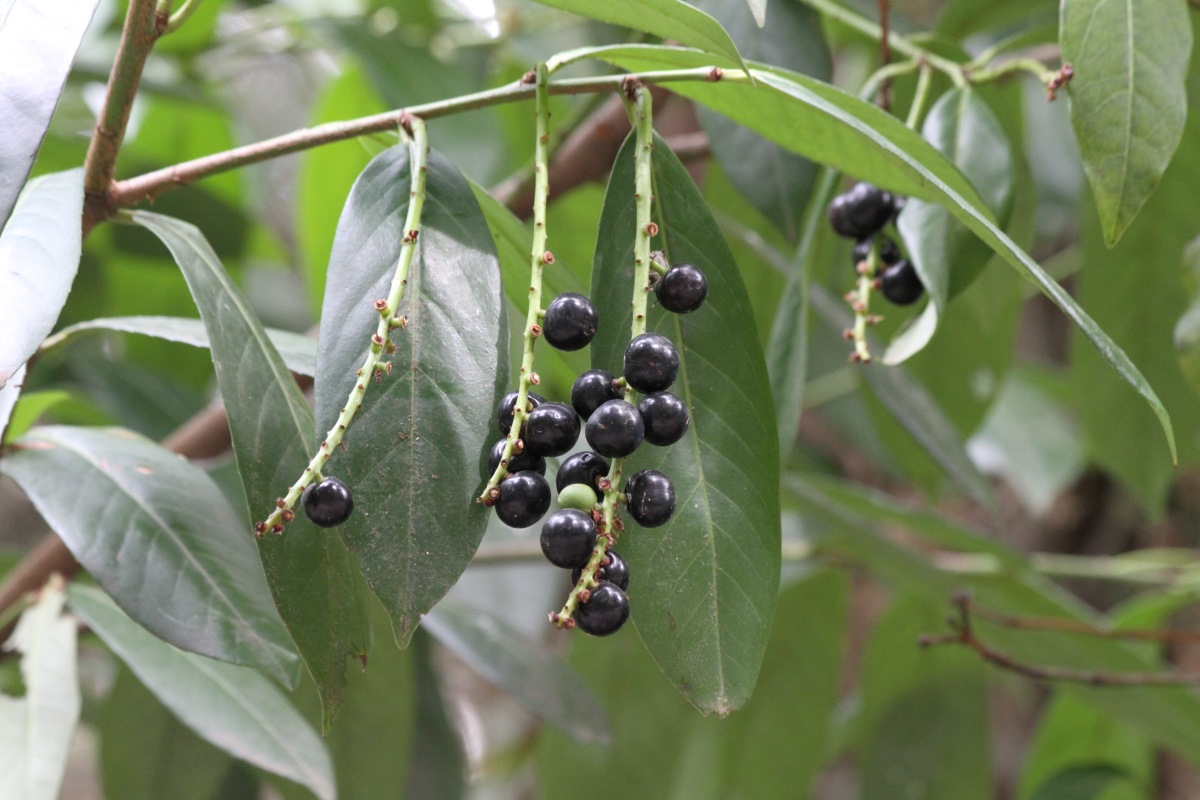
x=920, y=97
x=418, y=155
x=539, y=256
x=860, y=301
x=886, y=73
x=181, y=15
x=646, y=229
x=1030, y=65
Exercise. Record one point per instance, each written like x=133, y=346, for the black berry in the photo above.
x=889, y=253
x=551, y=430
x=901, y=284
x=524, y=498
x=665, y=416
x=616, y=571
x=586, y=468
x=682, y=289
x=605, y=611
x=615, y=429
x=570, y=322
x=327, y=503
x=568, y=537
x=862, y=211
x=591, y=390
x=508, y=403
x=650, y=498
x=651, y=363
x=525, y=462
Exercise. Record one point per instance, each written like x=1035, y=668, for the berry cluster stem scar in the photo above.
x=643, y=236
x=373, y=366
x=539, y=257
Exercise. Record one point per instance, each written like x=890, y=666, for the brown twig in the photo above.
x=964, y=634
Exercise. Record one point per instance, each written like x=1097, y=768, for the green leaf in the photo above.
x=946, y=255
x=39, y=255
x=10, y=395
x=824, y=124
x=37, y=45
x=36, y=729
x=299, y=352
x=535, y=677
x=436, y=767
x=1128, y=97
x=668, y=19
x=1187, y=329
x=758, y=8
x=412, y=454
x=30, y=407
x=310, y=573
x=1083, y=782
x=708, y=579
x=235, y=708
x=118, y=500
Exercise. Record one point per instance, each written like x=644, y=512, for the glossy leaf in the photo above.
x=36, y=729
x=159, y=536
x=310, y=573
x=235, y=708
x=299, y=352
x=535, y=677
x=412, y=454
x=10, y=393
x=708, y=578
x=831, y=127
x=946, y=255
x=1128, y=97
x=37, y=45
x=39, y=255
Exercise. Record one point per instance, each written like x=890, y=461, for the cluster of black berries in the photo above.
x=327, y=502
x=614, y=429
x=860, y=214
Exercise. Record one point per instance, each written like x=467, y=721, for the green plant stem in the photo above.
x=1030, y=65
x=152, y=184
x=372, y=368
x=539, y=257
x=181, y=15
x=886, y=73
x=860, y=301
x=920, y=97
x=646, y=230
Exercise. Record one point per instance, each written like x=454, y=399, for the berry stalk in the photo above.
x=860, y=301
x=539, y=257
x=418, y=154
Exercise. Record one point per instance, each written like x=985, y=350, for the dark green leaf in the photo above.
x=1084, y=782
x=309, y=572
x=1128, y=99
x=37, y=45
x=39, y=255
x=436, y=768
x=118, y=500
x=299, y=352
x=708, y=579
x=413, y=452
x=948, y=256
x=233, y=707
x=963, y=17
x=535, y=677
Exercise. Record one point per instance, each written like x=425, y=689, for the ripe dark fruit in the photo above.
x=568, y=537
x=615, y=429
x=682, y=289
x=650, y=498
x=615, y=572
x=525, y=462
x=604, y=612
x=524, y=498
x=651, y=363
x=862, y=211
x=570, y=322
x=551, y=430
x=327, y=503
x=665, y=416
x=586, y=468
x=504, y=411
x=591, y=390
x=889, y=253
x=901, y=284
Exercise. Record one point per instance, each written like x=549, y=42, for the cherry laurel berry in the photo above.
x=570, y=322
x=665, y=417
x=605, y=611
x=616, y=572
x=508, y=405
x=651, y=363
x=328, y=502
x=682, y=289
x=900, y=283
x=525, y=462
x=862, y=211
x=568, y=537
x=524, y=498
x=578, y=495
x=591, y=390
x=551, y=430
x=650, y=498
x=889, y=253
x=586, y=468
x=615, y=429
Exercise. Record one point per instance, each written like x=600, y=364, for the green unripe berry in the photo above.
x=577, y=495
